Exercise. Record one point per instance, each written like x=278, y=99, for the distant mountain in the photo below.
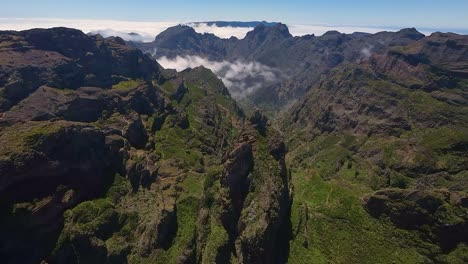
x=132, y=36
x=303, y=59
x=247, y=24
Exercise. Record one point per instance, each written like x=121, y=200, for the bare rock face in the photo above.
x=84, y=105
x=179, y=93
x=135, y=133
x=62, y=141
x=57, y=150
x=238, y=166
x=98, y=152
x=64, y=164
x=158, y=234
x=259, y=121
x=256, y=201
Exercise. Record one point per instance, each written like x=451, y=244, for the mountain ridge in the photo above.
x=301, y=58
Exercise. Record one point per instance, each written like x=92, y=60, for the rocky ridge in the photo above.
x=107, y=161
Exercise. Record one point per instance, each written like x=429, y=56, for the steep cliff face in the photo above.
x=249, y=200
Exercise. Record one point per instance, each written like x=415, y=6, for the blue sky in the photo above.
x=448, y=14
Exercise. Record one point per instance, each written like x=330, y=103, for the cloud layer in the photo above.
x=318, y=30
x=240, y=77
x=222, y=32
x=148, y=30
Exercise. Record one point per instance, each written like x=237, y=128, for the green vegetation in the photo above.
x=217, y=239
x=169, y=87
x=92, y=217
x=175, y=143
x=127, y=85
x=187, y=212
x=31, y=135
x=334, y=173
x=329, y=224
x=100, y=219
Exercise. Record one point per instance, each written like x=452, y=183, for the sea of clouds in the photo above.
x=148, y=30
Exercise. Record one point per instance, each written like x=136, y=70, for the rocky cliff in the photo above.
x=107, y=158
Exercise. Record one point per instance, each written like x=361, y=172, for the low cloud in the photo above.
x=135, y=37
x=222, y=32
x=318, y=30
x=149, y=30
x=240, y=77
x=366, y=52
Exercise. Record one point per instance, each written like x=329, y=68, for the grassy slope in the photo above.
x=331, y=178
x=329, y=224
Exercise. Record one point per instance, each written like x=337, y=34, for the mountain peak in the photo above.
x=278, y=29
x=332, y=33
x=411, y=33
x=176, y=31
x=242, y=24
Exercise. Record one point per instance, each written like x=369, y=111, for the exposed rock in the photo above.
x=237, y=168
x=158, y=234
x=103, y=161
x=277, y=148
x=136, y=133
x=179, y=93
x=259, y=121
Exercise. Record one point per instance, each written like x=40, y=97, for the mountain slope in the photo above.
x=133, y=164
x=388, y=134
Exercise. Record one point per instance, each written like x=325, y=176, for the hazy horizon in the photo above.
x=148, y=30
x=148, y=18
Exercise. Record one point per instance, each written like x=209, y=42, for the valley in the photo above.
x=340, y=148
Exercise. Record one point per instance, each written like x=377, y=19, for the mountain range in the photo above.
x=341, y=148
x=302, y=60
x=241, y=24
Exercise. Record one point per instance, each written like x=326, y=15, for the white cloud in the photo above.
x=240, y=77
x=318, y=30
x=222, y=32
x=125, y=35
x=367, y=51
x=149, y=30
